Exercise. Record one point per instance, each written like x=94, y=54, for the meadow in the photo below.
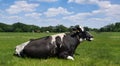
x=103, y=51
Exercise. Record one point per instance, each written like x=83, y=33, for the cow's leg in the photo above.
x=70, y=58
x=70, y=55
x=65, y=55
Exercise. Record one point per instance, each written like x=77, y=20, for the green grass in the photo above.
x=103, y=51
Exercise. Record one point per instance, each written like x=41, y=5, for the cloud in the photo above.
x=51, y=12
x=25, y=11
x=104, y=4
x=77, y=17
x=14, y=17
x=34, y=15
x=83, y=1
x=100, y=3
x=10, y=19
x=21, y=6
x=47, y=0
x=106, y=13
x=106, y=10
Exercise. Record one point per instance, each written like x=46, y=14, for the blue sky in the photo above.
x=91, y=13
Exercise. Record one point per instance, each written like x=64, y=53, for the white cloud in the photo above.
x=51, y=12
x=106, y=14
x=77, y=17
x=21, y=6
x=1, y=16
x=106, y=9
x=83, y=1
x=14, y=17
x=47, y=0
x=42, y=0
x=1, y=11
x=51, y=20
x=104, y=4
x=33, y=15
x=10, y=19
x=100, y=3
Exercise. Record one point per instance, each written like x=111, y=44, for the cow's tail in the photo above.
x=19, y=49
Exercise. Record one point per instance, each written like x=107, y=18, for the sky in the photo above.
x=90, y=13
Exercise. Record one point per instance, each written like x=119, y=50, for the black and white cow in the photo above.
x=62, y=45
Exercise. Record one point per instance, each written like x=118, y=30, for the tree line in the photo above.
x=21, y=27
x=17, y=27
x=111, y=28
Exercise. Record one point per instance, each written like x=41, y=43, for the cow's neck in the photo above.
x=75, y=35
x=76, y=38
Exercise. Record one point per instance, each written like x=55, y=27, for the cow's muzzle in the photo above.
x=90, y=38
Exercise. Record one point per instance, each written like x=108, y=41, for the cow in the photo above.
x=62, y=45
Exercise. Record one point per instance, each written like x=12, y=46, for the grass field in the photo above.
x=103, y=51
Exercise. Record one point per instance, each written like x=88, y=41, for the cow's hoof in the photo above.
x=70, y=58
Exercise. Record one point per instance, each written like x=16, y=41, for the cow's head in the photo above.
x=83, y=35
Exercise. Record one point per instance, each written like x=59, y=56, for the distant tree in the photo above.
x=1, y=30
x=111, y=28
x=20, y=27
x=8, y=28
x=18, y=30
x=87, y=29
x=2, y=27
x=44, y=29
x=61, y=28
x=58, y=28
x=117, y=26
x=70, y=28
x=5, y=28
x=95, y=29
x=51, y=28
x=34, y=28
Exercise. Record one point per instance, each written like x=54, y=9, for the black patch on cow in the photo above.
x=41, y=48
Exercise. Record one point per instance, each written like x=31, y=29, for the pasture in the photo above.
x=103, y=51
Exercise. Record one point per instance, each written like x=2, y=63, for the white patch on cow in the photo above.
x=91, y=39
x=81, y=39
x=70, y=58
x=61, y=35
x=81, y=28
x=20, y=47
